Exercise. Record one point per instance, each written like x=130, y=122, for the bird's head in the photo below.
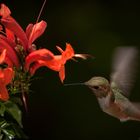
x=99, y=85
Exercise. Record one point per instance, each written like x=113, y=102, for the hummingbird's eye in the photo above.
x=95, y=87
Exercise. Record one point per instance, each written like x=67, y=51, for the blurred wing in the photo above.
x=124, y=67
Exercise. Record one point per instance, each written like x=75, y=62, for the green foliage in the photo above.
x=13, y=110
x=10, y=121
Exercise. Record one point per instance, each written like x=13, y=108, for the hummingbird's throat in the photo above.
x=101, y=91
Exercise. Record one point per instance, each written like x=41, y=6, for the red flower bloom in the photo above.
x=16, y=40
x=32, y=31
x=6, y=76
x=22, y=40
x=55, y=62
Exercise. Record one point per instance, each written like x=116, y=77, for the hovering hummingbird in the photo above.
x=113, y=95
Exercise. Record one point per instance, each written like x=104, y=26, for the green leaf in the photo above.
x=9, y=133
x=2, y=122
x=1, y=135
x=19, y=132
x=5, y=138
x=14, y=111
x=5, y=132
x=16, y=100
x=10, y=130
x=2, y=109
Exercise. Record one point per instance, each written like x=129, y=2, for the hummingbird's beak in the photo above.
x=74, y=84
x=86, y=83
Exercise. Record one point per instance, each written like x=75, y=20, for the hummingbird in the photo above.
x=113, y=94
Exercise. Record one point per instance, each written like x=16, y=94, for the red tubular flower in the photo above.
x=13, y=30
x=6, y=76
x=66, y=55
x=13, y=26
x=56, y=63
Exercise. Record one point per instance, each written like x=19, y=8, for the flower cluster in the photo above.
x=19, y=60
x=18, y=51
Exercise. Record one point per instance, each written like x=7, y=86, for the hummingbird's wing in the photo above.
x=124, y=67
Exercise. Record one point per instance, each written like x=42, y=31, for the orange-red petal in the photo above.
x=4, y=11
x=68, y=53
x=41, y=54
x=37, y=30
x=8, y=75
x=62, y=73
x=3, y=56
x=54, y=64
x=3, y=92
x=36, y=65
x=59, y=49
x=29, y=29
x=11, y=24
x=8, y=62
x=10, y=35
x=1, y=28
x=10, y=52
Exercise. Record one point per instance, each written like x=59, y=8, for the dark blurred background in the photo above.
x=95, y=27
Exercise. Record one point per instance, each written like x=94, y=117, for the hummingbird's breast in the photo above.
x=114, y=107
